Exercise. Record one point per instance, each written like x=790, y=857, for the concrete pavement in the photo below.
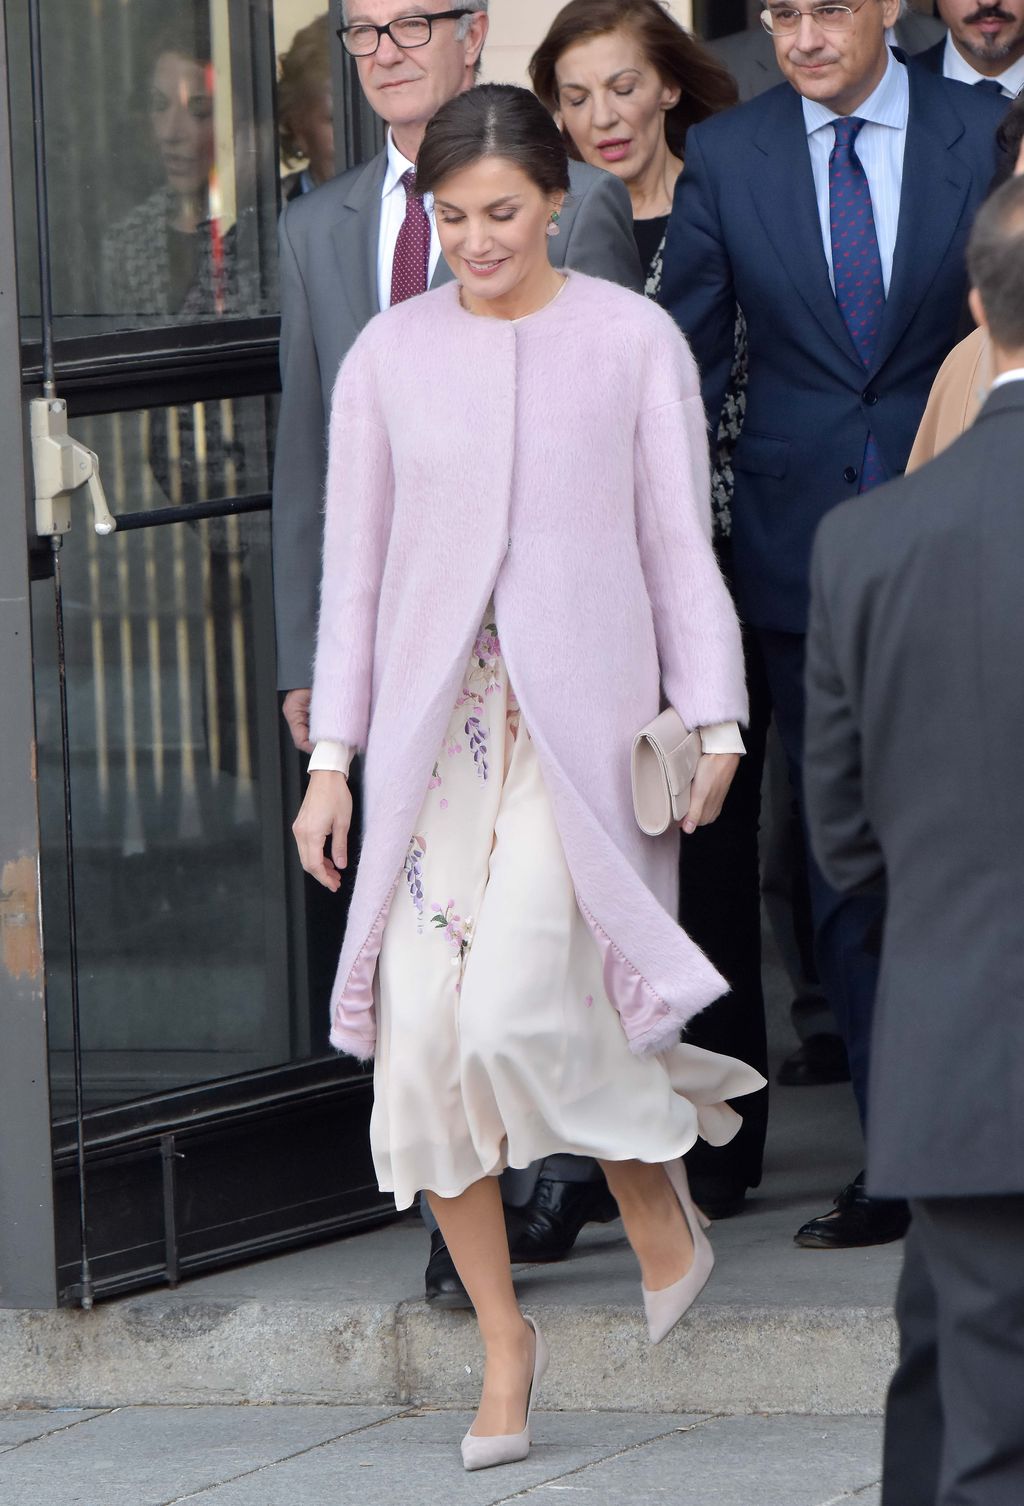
x=351, y=1456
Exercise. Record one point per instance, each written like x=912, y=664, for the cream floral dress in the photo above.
x=497, y=1044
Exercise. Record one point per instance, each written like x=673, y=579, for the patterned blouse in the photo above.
x=652, y=233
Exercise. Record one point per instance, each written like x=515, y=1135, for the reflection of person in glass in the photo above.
x=171, y=255
x=305, y=109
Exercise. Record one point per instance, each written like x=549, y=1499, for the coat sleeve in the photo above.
x=842, y=839
x=300, y=458
x=601, y=241
x=698, y=634
x=696, y=285
x=357, y=525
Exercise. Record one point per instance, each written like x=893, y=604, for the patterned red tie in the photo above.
x=857, y=264
x=412, y=253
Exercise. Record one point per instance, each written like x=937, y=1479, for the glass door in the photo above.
x=198, y=1115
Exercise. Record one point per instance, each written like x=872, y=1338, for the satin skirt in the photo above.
x=497, y=1043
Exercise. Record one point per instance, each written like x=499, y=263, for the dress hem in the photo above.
x=524, y=1165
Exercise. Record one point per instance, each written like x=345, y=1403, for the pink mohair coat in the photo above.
x=561, y=463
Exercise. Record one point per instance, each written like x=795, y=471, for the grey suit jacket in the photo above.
x=915, y=723
x=750, y=55
x=328, y=262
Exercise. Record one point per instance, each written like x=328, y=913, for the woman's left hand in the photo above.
x=715, y=773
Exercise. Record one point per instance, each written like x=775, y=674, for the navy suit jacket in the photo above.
x=745, y=230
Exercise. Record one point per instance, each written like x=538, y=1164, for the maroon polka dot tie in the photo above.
x=857, y=264
x=412, y=252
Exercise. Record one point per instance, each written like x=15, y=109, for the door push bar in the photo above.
x=63, y=468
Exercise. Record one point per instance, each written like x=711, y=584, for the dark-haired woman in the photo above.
x=512, y=958
x=625, y=82
x=171, y=257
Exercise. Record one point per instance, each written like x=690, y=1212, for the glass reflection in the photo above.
x=176, y=253
x=179, y=842
x=305, y=109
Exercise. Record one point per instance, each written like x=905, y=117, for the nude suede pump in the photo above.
x=664, y=1308
x=508, y=1448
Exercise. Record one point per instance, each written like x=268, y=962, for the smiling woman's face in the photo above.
x=612, y=103
x=181, y=111
x=492, y=221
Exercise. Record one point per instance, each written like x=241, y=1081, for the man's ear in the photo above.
x=977, y=308
x=476, y=36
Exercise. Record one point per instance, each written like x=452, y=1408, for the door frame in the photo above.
x=27, y=1240
x=162, y=1172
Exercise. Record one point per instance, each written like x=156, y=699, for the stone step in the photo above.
x=779, y=1330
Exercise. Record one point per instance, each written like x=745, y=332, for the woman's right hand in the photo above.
x=326, y=813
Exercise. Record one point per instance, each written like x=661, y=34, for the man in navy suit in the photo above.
x=984, y=45
x=834, y=211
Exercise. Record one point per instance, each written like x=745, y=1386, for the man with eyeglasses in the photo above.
x=750, y=55
x=984, y=47
x=349, y=249
x=834, y=210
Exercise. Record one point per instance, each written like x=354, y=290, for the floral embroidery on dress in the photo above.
x=481, y=681
x=458, y=932
x=414, y=875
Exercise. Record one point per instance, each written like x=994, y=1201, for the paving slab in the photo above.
x=146, y=1456
x=346, y=1456
x=744, y=1461
x=415, y=1459
x=20, y=1427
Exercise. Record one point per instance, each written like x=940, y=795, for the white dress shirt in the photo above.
x=392, y=217
x=1016, y=375
x=880, y=146
x=955, y=65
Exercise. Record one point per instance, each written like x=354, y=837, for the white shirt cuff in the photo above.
x=331, y=757
x=723, y=737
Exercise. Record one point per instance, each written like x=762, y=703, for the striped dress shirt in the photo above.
x=880, y=147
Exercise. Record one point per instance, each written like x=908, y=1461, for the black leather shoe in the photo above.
x=546, y=1229
x=820, y=1060
x=856, y=1220
x=719, y=1197
x=443, y=1283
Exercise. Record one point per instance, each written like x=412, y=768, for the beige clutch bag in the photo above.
x=664, y=761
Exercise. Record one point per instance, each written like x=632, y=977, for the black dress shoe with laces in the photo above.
x=856, y=1221
x=546, y=1229
x=820, y=1060
x=443, y=1283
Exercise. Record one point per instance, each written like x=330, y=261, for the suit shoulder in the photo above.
x=980, y=113
x=311, y=212
x=585, y=180
x=723, y=130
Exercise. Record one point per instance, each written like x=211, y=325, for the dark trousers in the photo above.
x=720, y=909
x=954, y=1424
x=847, y=927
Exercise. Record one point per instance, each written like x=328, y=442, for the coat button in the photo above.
x=869, y=397
x=850, y=474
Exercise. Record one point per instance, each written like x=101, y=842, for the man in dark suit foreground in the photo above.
x=834, y=211
x=915, y=715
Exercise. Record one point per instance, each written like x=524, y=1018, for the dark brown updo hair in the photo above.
x=493, y=120
x=679, y=60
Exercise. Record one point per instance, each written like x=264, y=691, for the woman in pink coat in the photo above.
x=517, y=569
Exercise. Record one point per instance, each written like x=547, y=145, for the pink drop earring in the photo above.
x=552, y=227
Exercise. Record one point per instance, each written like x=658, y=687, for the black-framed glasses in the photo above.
x=362, y=39
x=784, y=20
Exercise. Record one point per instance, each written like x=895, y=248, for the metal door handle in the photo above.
x=62, y=468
